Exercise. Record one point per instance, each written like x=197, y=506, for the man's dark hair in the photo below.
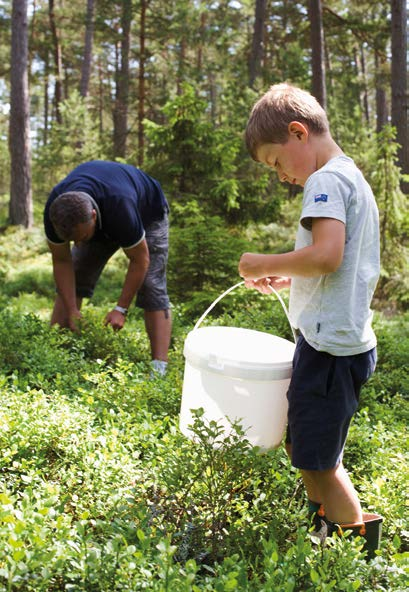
x=68, y=210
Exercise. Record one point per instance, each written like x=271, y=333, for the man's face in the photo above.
x=84, y=231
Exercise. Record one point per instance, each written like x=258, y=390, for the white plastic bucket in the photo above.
x=237, y=375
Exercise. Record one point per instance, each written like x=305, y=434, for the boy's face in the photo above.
x=293, y=161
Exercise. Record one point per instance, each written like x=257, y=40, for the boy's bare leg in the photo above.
x=313, y=491
x=158, y=325
x=333, y=488
x=59, y=315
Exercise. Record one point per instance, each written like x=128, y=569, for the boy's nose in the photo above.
x=281, y=174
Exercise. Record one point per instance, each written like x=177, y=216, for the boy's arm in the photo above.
x=322, y=257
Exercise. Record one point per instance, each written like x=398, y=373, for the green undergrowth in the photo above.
x=100, y=491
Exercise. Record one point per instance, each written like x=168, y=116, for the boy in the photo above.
x=333, y=272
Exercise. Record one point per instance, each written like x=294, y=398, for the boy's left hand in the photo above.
x=264, y=285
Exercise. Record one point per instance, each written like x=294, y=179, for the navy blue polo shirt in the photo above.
x=126, y=200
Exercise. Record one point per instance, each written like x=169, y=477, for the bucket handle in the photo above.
x=204, y=315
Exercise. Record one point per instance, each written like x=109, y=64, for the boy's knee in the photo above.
x=319, y=477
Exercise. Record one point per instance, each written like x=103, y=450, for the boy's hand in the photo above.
x=265, y=284
x=251, y=266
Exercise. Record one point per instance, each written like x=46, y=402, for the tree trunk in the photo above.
x=89, y=36
x=57, y=60
x=101, y=78
x=317, y=52
x=20, y=207
x=141, y=85
x=380, y=92
x=213, y=96
x=203, y=18
x=365, y=101
x=122, y=84
x=181, y=66
x=257, y=44
x=46, y=101
x=31, y=39
x=399, y=82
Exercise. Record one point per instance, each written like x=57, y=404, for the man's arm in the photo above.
x=138, y=266
x=322, y=257
x=64, y=277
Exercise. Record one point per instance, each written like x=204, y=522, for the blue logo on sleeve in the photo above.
x=321, y=197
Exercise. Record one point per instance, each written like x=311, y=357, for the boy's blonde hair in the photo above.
x=279, y=106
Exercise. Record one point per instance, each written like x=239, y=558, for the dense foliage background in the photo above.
x=99, y=491
x=168, y=86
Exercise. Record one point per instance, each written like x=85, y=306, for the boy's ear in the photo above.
x=298, y=129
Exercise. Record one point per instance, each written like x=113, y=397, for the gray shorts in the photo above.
x=89, y=260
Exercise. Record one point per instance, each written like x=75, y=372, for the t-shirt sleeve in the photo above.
x=124, y=222
x=325, y=197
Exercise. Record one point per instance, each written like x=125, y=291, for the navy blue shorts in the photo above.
x=322, y=397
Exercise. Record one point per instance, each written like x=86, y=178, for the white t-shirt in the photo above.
x=333, y=311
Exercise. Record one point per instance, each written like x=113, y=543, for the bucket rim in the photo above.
x=221, y=362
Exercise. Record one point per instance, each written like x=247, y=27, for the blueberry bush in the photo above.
x=100, y=492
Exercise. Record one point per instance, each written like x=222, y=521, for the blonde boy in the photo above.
x=332, y=274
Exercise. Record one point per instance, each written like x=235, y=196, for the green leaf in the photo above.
x=5, y=500
x=314, y=576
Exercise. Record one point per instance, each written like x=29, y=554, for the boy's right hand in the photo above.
x=264, y=285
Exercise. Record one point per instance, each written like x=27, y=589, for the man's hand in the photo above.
x=74, y=321
x=116, y=319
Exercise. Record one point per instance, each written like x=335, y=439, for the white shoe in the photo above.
x=159, y=367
